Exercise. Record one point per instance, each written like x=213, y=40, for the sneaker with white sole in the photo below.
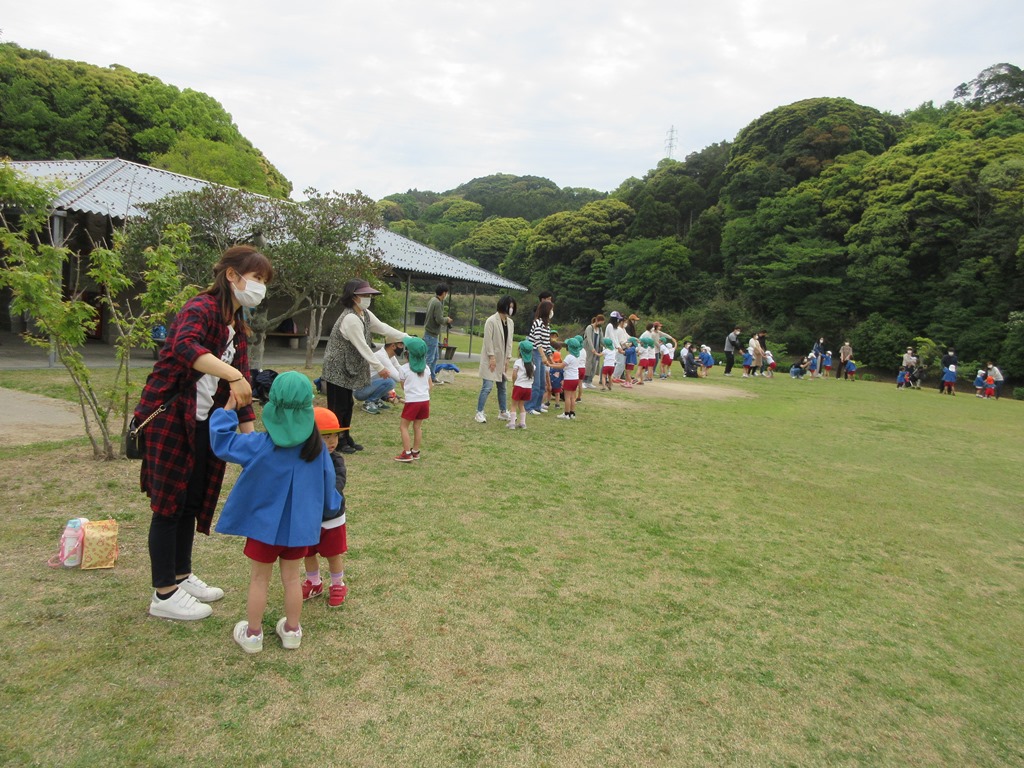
x=505, y=415
x=290, y=640
x=249, y=643
x=200, y=590
x=180, y=606
x=533, y=412
x=480, y=418
x=512, y=424
x=563, y=416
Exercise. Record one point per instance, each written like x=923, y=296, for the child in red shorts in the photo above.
x=333, y=536
x=278, y=502
x=522, y=384
x=416, y=384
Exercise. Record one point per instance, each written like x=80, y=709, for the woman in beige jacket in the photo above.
x=495, y=357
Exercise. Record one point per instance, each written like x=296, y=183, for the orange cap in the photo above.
x=326, y=421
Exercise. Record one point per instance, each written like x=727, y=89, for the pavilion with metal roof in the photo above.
x=119, y=189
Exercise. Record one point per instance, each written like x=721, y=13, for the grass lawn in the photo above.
x=825, y=573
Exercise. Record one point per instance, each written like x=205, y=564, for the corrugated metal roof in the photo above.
x=407, y=255
x=116, y=188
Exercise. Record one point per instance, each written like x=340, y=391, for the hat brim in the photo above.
x=367, y=291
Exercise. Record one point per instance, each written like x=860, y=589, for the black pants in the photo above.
x=730, y=361
x=340, y=401
x=171, y=536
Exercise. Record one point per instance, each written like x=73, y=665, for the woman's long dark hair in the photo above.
x=243, y=259
x=543, y=312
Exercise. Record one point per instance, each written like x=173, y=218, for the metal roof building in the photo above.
x=118, y=188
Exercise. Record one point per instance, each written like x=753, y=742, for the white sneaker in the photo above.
x=563, y=416
x=181, y=606
x=249, y=643
x=532, y=412
x=504, y=415
x=480, y=418
x=289, y=640
x=200, y=590
x=512, y=424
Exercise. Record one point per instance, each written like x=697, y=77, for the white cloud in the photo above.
x=429, y=95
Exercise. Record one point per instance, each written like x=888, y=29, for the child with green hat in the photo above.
x=608, y=364
x=522, y=384
x=571, y=374
x=278, y=502
x=416, y=382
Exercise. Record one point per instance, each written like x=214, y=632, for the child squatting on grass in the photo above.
x=279, y=500
x=416, y=384
x=333, y=536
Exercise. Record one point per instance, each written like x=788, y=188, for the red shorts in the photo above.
x=608, y=370
x=333, y=541
x=269, y=553
x=828, y=367
x=650, y=362
x=570, y=386
x=630, y=366
x=666, y=360
x=521, y=394
x=416, y=411
x=582, y=373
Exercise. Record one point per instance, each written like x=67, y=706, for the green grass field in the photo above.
x=823, y=573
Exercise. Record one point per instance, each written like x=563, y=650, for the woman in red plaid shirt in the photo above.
x=204, y=360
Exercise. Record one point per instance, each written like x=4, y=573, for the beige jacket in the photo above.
x=494, y=344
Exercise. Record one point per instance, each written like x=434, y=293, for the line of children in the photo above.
x=416, y=384
x=287, y=485
x=333, y=542
x=522, y=384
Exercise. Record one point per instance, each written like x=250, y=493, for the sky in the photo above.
x=387, y=97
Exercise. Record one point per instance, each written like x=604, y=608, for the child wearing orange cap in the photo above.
x=333, y=538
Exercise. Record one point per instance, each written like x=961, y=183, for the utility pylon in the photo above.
x=670, y=142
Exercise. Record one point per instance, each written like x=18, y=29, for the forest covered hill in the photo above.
x=822, y=217
x=54, y=109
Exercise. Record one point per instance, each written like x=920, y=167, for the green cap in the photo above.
x=417, y=349
x=288, y=414
x=574, y=345
x=526, y=349
x=607, y=343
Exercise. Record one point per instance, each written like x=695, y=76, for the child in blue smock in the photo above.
x=949, y=380
x=278, y=501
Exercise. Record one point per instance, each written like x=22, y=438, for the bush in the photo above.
x=879, y=342
x=1018, y=393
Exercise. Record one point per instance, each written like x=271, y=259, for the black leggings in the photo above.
x=171, y=536
x=730, y=361
x=340, y=401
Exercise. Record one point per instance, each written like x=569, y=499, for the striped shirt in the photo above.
x=540, y=336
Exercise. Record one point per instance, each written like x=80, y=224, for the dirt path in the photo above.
x=26, y=418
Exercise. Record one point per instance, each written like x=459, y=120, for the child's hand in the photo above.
x=230, y=404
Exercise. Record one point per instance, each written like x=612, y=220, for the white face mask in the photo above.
x=363, y=302
x=253, y=293
x=551, y=315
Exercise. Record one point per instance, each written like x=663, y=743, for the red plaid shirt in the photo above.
x=167, y=461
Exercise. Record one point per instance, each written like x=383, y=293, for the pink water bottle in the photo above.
x=71, y=544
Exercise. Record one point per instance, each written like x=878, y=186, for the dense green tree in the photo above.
x=648, y=275
x=998, y=84
x=489, y=244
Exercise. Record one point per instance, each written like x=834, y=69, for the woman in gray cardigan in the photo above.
x=348, y=358
x=495, y=357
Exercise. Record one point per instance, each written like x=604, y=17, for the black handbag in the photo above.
x=134, y=440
